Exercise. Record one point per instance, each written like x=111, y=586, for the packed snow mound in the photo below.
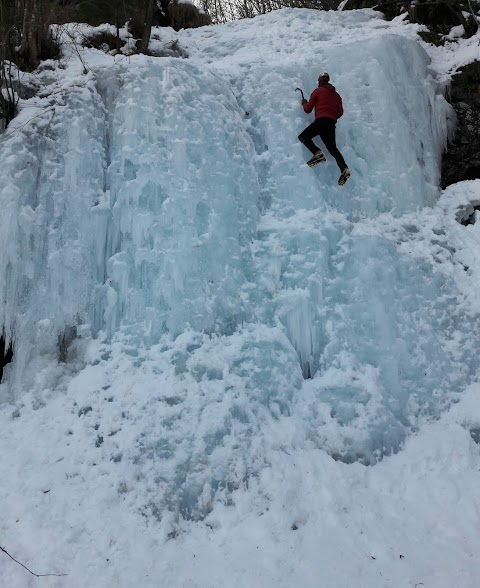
x=216, y=299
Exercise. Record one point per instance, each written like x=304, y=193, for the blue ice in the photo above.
x=166, y=209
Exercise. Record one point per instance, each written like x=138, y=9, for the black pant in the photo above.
x=325, y=127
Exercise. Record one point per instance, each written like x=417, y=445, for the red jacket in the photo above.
x=327, y=102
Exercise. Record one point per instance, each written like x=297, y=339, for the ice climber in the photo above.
x=328, y=109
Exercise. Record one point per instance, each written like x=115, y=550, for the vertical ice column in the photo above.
x=184, y=201
x=47, y=260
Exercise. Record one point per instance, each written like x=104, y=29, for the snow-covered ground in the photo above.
x=263, y=379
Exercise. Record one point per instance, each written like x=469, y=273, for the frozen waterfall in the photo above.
x=191, y=297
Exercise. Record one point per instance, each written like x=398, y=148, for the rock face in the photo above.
x=6, y=354
x=462, y=160
x=440, y=16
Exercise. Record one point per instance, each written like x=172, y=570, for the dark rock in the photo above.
x=471, y=218
x=438, y=15
x=65, y=339
x=6, y=354
x=475, y=434
x=432, y=37
x=25, y=88
x=391, y=9
x=462, y=159
x=85, y=410
x=357, y=4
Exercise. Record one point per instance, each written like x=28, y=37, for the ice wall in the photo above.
x=235, y=301
x=180, y=202
x=52, y=173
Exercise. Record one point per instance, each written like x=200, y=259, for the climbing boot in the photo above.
x=319, y=157
x=344, y=176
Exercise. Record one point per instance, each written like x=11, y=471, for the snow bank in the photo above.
x=240, y=334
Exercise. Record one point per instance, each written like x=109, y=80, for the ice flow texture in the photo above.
x=135, y=212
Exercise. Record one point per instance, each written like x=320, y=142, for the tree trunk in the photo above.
x=27, y=10
x=147, y=26
x=34, y=34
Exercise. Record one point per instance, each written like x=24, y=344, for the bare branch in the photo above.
x=28, y=570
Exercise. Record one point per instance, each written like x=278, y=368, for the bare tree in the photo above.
x=224, y=10
x=147, y=25
x=8, y=96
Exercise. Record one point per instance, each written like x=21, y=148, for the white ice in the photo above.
x=201, y=322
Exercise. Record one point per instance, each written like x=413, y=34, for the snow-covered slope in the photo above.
x=227, y=319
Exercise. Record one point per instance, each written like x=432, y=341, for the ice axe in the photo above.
x=301, y=92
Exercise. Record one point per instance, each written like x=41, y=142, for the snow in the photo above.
x=239, y=336
x=450, y=57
